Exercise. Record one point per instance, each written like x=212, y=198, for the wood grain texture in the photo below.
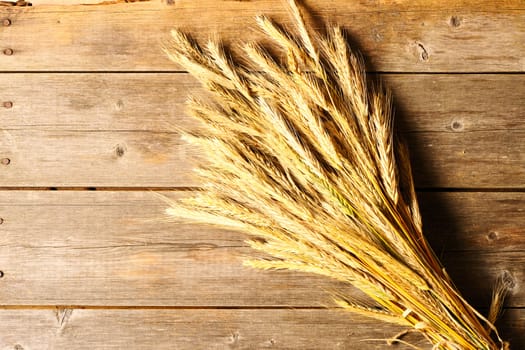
x=88, y=2
x=118, y=129
x=114, y=248
x=160, y=159
x=156, y=101
x=209, y=329
x=482, y=221
x=191, y=329
x=363, y=5
x=133, y=280
x=128, y=38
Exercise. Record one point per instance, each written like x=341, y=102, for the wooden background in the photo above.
x=87, y=108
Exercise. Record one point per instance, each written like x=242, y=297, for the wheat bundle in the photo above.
x=302, y=155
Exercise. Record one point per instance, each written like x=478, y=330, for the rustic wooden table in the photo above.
x=88, y=111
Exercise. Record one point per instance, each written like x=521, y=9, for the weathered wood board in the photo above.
x=494, y=159
x=204, y=329
x=155, y=101
x=116, y=248
x=119, y=129
x=208, y=329
x=123, y=38
x=88, y=100
x=370, y=5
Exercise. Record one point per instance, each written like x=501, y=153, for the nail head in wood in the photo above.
x=456, y=125
x=8, y=104
x=492, y=236
x=120, y=150
x=8, y=52
x=6, y=22
x=5, y=161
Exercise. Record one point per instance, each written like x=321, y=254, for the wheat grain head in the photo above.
x=303, y=155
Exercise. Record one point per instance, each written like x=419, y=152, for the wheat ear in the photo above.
x=303, y=156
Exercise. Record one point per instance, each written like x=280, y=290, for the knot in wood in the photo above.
x=454, y=21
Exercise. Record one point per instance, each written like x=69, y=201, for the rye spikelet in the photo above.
x=302, y=155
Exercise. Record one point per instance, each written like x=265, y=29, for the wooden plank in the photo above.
x=100, y=102
x=154, y=101
x=86, y=2
x=469, y=160
x=106, y=38
x=457, y=103
x=482, y=221
x=113, y=129
x=211, y=329
x=161, y=159
x=114, y=248
x=66, y=158
x=191, y=329
x=368, y=5
x=453, y=222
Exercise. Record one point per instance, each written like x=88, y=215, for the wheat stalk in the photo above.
x=303, y=156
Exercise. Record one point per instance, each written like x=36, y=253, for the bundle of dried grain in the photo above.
x=303, y=156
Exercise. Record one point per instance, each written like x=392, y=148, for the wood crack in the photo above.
x=62, y=316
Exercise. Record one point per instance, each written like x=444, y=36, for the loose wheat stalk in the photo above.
x=302, y=155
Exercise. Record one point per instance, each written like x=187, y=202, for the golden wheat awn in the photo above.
x=302, y=155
